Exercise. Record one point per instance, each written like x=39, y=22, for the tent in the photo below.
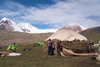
x=66, y=35
x=41, y=43
x=13, y=46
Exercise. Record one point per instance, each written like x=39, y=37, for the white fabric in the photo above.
x=14, y=54
x=65, y=34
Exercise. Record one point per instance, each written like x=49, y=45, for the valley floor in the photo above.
x=37, y=58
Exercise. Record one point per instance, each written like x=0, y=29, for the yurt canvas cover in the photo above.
x=66, y=35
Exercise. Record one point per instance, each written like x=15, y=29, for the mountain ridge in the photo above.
x=91, y=31
x=22, y=27
x=92, y=34
x=6, y=24
x=28, y=28
x=74, y=26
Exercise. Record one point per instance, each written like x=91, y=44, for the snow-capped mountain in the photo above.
x=31, y=29
x=6, y=24
x=74, y=26
x=27, y=27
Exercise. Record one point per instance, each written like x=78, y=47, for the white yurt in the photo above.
x=66, y=35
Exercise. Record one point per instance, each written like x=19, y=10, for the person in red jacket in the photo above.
x=59, y=47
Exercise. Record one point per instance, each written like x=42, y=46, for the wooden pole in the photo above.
x=99, y=49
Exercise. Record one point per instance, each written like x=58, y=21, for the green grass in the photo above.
x=37, y=58
x=95, y=38
x=92, y=33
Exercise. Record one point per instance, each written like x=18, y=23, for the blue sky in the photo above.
x=47, y=14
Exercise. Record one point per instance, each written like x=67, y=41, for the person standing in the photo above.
x=59, y=47
x=91, y=46
x=54, y=48
x=49, y=46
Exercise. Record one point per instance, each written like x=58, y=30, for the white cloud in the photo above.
x=58, y=15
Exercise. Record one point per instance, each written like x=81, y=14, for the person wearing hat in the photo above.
x=91, y=46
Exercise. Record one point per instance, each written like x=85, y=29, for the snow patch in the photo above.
x=4, y=19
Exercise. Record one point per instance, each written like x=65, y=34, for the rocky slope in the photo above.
x=20, y=38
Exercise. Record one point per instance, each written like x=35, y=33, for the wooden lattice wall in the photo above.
x=77, y=46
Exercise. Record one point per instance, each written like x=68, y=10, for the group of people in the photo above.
x=52, y=46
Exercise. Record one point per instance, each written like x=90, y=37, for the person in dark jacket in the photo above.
x=91, y=46
x=53, y=48
x=49, y=46
x=59, y=47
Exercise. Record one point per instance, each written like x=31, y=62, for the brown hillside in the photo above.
x=91, y=31
x=9, y=37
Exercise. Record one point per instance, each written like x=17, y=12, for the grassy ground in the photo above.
x=37, y=58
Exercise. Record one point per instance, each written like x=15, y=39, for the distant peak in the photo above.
x=75, y=24
x=5, y=19
x=71, y=25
